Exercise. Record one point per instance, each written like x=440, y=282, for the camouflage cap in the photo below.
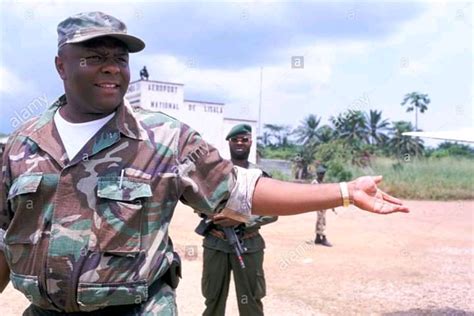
x=239, y=129
x=88, y=25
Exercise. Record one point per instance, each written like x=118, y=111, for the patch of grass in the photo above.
x=449, y=178
x=277, y=174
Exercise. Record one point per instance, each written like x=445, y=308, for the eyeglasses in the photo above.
x=98, y=60
x=239, y=139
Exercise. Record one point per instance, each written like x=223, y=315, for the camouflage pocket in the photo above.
x=93, y=295
x=26, y=206
x=121, y=214
x=29, y=286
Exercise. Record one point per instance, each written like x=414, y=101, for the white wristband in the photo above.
x=344, y=193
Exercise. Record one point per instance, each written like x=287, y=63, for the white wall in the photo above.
x=205, y=117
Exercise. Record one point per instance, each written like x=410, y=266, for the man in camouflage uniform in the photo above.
x=91, y=231
x=321, y=221
x=87, y=233
x=219, y=258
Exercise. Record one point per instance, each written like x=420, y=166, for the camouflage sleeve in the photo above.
x=204, y=178
x=257, y=221
x=2, y=240
x=5, y=217
x=241, y=195
x=211, y=183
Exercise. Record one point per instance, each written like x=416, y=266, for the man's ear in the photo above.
x=59, y=63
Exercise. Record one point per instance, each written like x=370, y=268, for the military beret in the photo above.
x=320, y=169
x=88, y=25
x=239, y=129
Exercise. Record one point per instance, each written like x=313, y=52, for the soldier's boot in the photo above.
x=321, y=240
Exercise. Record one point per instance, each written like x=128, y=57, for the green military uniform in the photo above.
x=92, y=232
x=89, y=234
x=219, y=260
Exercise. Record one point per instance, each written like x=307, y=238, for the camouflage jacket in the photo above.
x=93, y=232
x=252, y=244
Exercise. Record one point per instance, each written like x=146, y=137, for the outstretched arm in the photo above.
x=273, y=197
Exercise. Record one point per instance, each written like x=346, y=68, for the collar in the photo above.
x=127, y=123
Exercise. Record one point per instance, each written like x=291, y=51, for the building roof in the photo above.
x=155, y=81
x=206, y=102
x=239, y=119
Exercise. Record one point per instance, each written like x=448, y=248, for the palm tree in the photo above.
x=417, y=101
x=325, y=134
x=278, y=132
x=265, y=138
x=375, y=127
x=307, y=132
x=402, y=145
x=351, y=126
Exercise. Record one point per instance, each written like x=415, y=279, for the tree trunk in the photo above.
x=416, y=119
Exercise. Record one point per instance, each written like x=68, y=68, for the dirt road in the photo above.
x=420, y=263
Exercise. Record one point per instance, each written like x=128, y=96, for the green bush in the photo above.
x=277, y=174
x=337, y=157
x=285, y=153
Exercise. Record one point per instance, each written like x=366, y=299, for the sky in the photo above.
x=357, y=55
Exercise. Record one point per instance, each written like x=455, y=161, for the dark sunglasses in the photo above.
x=240, y=139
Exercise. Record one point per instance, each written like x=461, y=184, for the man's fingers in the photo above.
x=389, y=198
x=221, y=221
x=386, y=206
x=396, y=203
x=217, y=216
x=377, y=179
x=396, y=209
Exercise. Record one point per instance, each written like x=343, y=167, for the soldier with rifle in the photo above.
x=232, y=246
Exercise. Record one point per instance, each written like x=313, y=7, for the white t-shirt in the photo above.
x=75, y=135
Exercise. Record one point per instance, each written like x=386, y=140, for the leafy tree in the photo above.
x=418, y=101
x=264, y=140
x=303, y=160
x=376, y=127
x=307, y=131
x=403, y=145
x=277, y=135
x=336, y=155
x=350, y=126
x=325, y=134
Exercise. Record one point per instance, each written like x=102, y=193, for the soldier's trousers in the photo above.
x=321, y=222
x=249, y=282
